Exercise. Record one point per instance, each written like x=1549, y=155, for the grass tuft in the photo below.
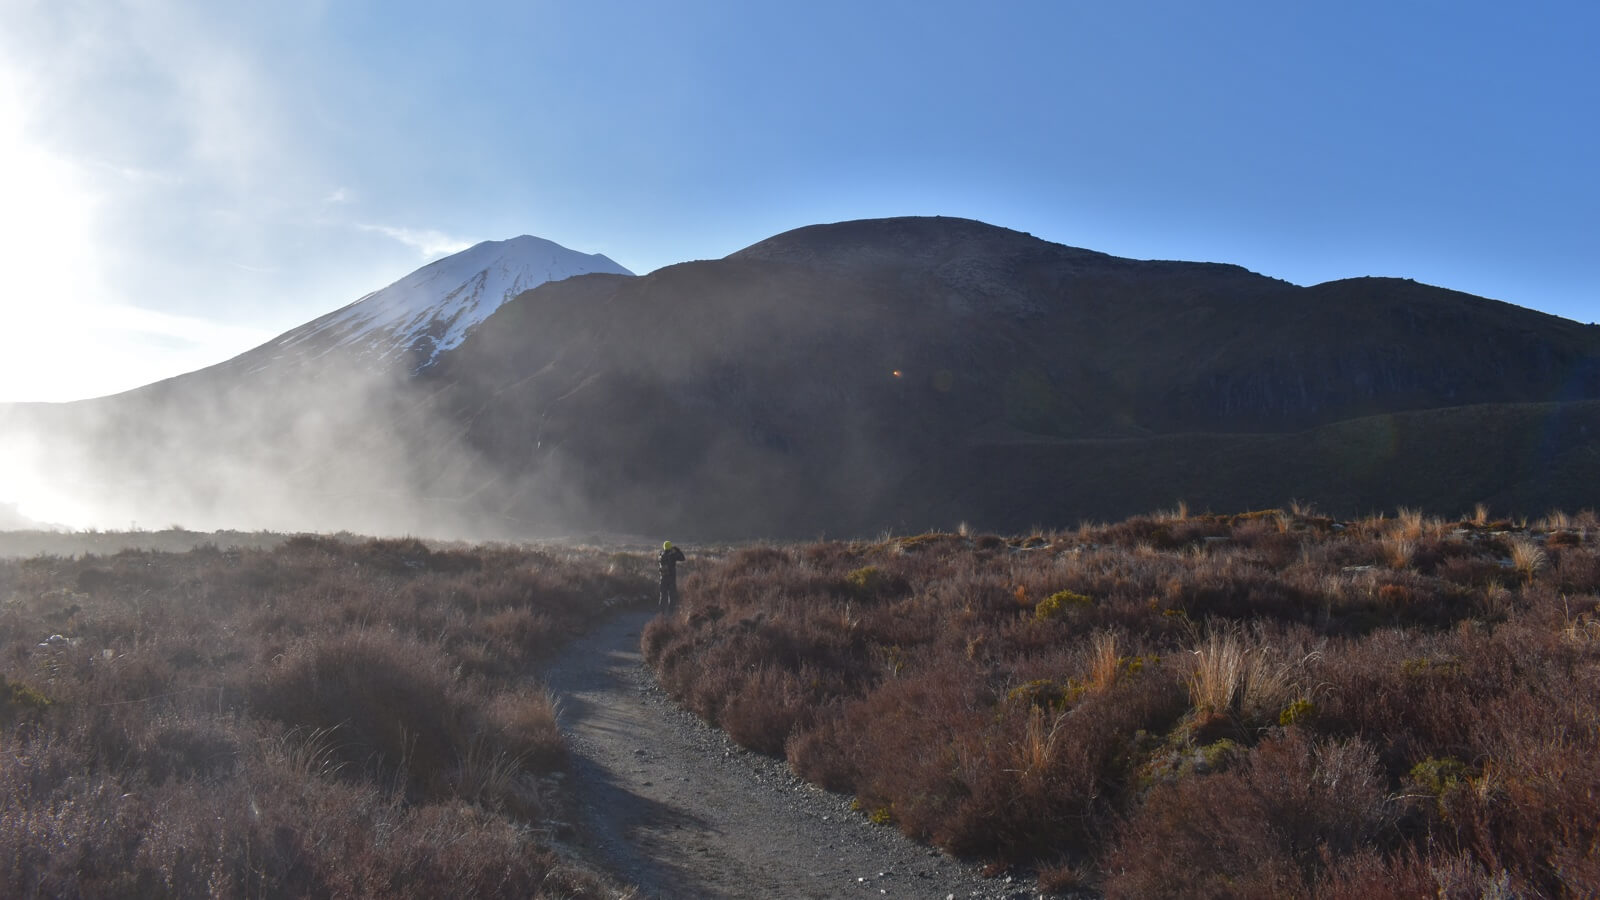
x=1264, y=704
x=314, y=717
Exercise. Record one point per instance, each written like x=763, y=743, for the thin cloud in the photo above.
x=88, y=349
x=155, y=155
x=191, y=330
x=425, y=241
x=136, y=175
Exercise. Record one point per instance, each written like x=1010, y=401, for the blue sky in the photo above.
x=180, y=180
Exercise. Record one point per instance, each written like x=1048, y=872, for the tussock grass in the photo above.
x=1184, y=705
x=1409, y=523
x=1230, y=677
x=1399, y=550
x=1105, y=660
x=1527, y=557
x=314, y=717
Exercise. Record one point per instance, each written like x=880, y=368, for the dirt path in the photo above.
x=670, y=804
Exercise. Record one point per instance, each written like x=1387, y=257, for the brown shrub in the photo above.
x=269, y=830
x=764, y=709
x=971, y=711
x=1271, y=827
x=394, y=702
x=323, y=718
x=525, y=724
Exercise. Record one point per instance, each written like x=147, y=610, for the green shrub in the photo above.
x=1297, y=712
x=1060, y=604
x=1439, y=775
x=19, y=700
x=870, y=583
x=1046, y=694
x=1215, y=756
x=865, y=580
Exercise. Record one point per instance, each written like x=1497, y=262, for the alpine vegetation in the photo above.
x=1268, y=705
x=330, y=718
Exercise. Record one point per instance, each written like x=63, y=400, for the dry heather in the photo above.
x=324, y=719
x=1265, y=705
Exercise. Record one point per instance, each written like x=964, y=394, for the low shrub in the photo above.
x=393, y=701
x=1275, y=825
x=317, y=717
x=1271, y=704
x=19, y=701
x=1060, y=604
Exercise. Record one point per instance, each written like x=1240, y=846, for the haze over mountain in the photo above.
x=894, y=373
x=310, y=427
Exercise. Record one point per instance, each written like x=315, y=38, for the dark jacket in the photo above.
x=669, y=563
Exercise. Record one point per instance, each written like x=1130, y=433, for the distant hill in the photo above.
x=894, y=373
x=911, y=372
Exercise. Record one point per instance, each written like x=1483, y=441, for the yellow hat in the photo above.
x=666, y=545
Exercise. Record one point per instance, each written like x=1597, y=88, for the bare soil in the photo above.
x=670, y=804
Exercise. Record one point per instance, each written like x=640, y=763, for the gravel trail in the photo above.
x=672, y=805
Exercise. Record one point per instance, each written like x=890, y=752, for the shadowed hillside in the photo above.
x=897, y=373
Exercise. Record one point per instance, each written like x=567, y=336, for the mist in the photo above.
x=326, y=447
x=599, y=405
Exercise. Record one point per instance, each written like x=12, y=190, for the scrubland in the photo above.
x=1265, y=705
x=326, y=718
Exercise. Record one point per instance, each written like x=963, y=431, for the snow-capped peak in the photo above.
x=432, y=309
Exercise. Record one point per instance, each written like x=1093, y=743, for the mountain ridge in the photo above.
x=432, y=309
x=850, y=377
x=849, y=388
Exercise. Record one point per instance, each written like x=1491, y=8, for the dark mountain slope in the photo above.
x=1187, y=346
x=1036, y=384
x=1370, y=345
x=1519, y=459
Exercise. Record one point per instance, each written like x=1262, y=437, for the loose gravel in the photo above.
x=669, y=804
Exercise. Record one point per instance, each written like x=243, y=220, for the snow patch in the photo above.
x=434, y=308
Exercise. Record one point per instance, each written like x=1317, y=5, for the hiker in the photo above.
x=670, y=557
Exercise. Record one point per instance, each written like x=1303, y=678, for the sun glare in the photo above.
x=46, y=255
x=55, y=510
